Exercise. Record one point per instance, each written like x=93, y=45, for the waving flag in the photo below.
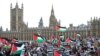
x=40, y=40
x=57, y=53
x=5, y=42
x=17, y=49
x=59, y=28
x=68, y=40
x=13, y=48
x=35, y=37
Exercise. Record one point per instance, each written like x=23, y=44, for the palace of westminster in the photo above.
x=21, y=31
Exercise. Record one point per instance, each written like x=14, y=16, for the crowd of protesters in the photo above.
x=72, y=47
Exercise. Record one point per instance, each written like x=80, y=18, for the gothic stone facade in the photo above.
x=21, y=31
x=95, y=28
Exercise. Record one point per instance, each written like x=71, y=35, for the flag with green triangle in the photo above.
x=19, y=49
x=35, y=37
x=60, y=29
x=40, y=40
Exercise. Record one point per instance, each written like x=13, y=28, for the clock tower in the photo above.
x=52, y=21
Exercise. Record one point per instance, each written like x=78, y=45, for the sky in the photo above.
x=68, y=11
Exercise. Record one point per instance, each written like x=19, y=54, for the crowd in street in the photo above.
x=70, y=47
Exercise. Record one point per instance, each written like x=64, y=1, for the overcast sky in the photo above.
x=68, y=11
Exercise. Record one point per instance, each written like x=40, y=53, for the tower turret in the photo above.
x=40, y=23
x=52, y=11
x=17, y=5
x=53, y=21
x=22, y=6
x=11, y=6
x=16, y=18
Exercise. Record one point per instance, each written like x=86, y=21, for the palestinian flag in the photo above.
x=35, y=37
x=68, y=40
x=43, y=38
x=6, y=39
x=40, y=40
x=59, y=28
x=13, y=48
x=18, y=44
x=57, y=53
x=21, y=47
x=17, y=48
x=6, y=42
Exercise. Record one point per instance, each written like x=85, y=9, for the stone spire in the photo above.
x=53, y=21
x=40, y=23
x=52, y=11
x=11, y=6
x=16, y=5
x=22, y=6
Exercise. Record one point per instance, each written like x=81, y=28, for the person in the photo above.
x=39, y=51
x=1, y=54
x=74, y=50
x=7, y=52
x=25, y=53
x=92, y=52
x=44, y=51
x=64, y=53
x=78, y=54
